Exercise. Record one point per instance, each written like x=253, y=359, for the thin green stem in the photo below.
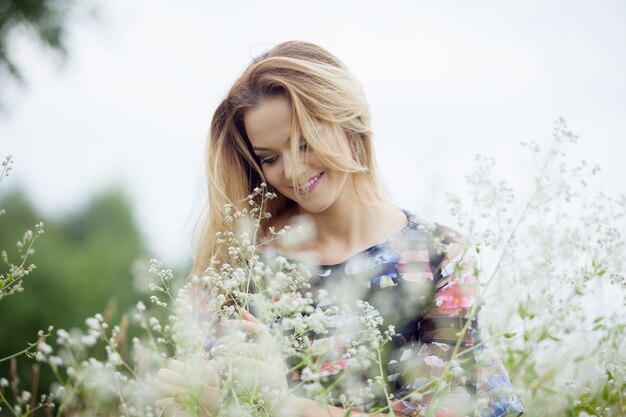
x=4, y=400
x=21, y=352
x=383, y=383
x=620, y=397
x=121, y=397
x=20, y=267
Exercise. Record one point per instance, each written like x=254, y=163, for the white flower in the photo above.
x=44, y=348
x=4, y=383
x=25, y=397
x=63, y=336
x=55, y=360
x=154, y=323
x=88, y=340
x=93, y=323
x=114, y=357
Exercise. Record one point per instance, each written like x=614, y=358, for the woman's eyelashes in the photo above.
x=304, y=147
x=268, y=161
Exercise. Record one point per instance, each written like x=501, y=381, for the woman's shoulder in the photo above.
x=438, y=241
x=433, y=233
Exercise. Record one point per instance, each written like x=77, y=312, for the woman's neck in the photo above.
x=349, y=227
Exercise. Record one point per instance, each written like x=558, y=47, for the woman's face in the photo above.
x=269, y=129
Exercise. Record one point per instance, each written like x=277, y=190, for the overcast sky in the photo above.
x=445, y=80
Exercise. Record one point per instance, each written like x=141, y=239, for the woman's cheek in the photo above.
x=272, y=178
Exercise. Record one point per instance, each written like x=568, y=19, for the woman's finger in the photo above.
x=251, y=350
x=209, y=374
x=164, y=403
x=176, y=365
x=171, y=408
x=168, y=376
x=247, y=326
x=246, y=315
x=169, y=390
x=195, y=371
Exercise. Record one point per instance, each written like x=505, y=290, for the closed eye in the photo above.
x=268, y=161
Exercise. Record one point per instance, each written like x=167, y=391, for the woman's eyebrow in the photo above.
x=260, y=148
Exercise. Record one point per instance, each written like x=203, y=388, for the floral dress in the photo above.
x=422, y=280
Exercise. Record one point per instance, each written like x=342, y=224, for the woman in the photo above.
x=298, y=120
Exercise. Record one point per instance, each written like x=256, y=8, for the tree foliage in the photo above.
x=84, y=266
x=45, y=19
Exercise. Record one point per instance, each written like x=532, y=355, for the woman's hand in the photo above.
x=247, y=368
x=188, y=389
x=248, y=324
x=255, y=367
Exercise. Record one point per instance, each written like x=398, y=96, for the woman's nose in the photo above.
x=287, y=171
x=287, y=166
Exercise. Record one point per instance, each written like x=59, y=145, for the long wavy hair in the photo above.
x=325, y=98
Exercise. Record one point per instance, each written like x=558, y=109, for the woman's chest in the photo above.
x=395, y=280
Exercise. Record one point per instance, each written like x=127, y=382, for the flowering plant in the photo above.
x=11, y=282
x=247, y=336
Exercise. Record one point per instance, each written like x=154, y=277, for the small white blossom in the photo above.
x=44, y=348
x=88, y=340
x=93, y=323
x=25, y=397
x=55, y=360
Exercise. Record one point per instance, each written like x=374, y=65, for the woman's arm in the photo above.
x=294, y=405
x=449, y=348
x=309, y=408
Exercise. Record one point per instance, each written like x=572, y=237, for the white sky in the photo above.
x=133, y=104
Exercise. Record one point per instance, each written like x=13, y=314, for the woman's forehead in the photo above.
x=269, y=124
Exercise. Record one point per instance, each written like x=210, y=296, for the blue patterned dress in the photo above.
x=422, y=280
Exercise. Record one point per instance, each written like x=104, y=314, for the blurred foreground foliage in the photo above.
x=83, y=267
x=555, y=310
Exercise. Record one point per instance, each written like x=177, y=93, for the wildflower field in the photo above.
x=551, y=290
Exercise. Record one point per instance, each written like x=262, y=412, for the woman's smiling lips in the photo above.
x=310, y=184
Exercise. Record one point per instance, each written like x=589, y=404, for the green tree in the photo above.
x=83, y=265
x=45, y=19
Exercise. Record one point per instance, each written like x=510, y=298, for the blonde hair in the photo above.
x=325, y=98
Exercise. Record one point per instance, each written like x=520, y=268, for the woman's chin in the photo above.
x=313, y=207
